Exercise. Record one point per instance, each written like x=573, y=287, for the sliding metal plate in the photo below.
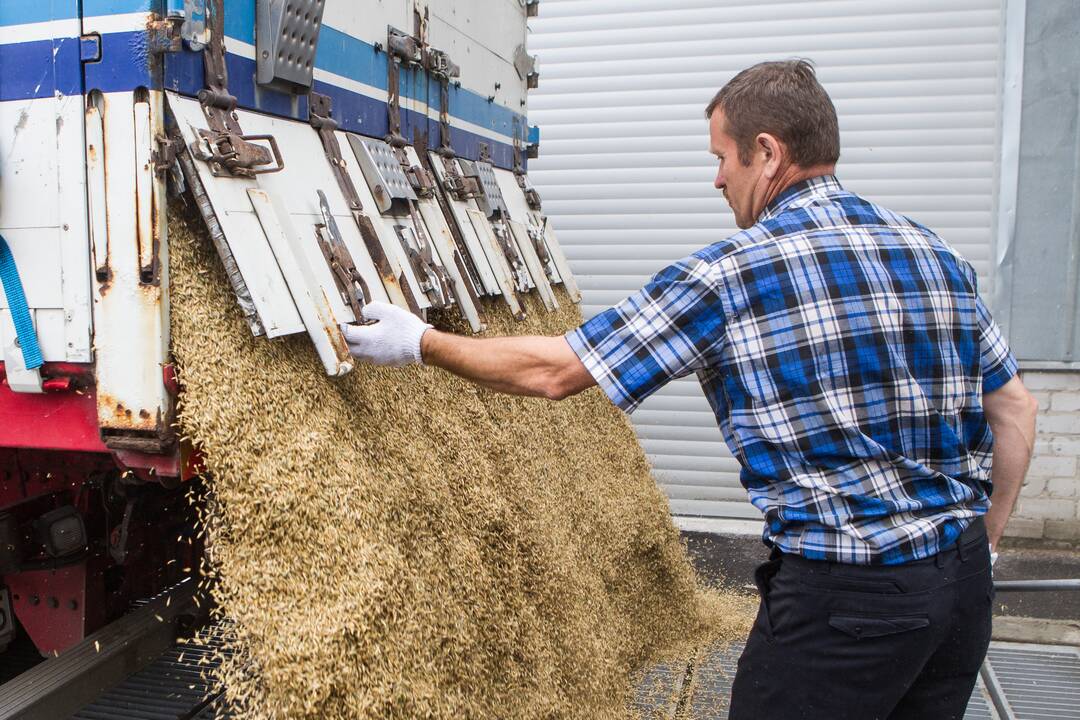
x=491, y=202
x=559, y=258
x=521, y=237
x=518, y=208
x=505, y=276
x=286, y=38
x=385, y=177
x=459, y=216
x=442, y=241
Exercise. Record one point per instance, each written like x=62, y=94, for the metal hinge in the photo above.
x=354, y=291
x=224, y=146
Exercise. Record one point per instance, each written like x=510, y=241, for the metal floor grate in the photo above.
x=1040, y=682
x=167, y=689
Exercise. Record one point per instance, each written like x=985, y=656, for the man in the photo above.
x=857, y=377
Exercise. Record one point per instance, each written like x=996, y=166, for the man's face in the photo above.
x=742, y=185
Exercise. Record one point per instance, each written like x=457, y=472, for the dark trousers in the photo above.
x=849, y=642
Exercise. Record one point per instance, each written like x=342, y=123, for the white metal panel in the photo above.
x=295, y=188
x=43, y=216
x=625, y=173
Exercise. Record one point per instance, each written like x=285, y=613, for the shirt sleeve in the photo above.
x=997, y=361
x=670, y=328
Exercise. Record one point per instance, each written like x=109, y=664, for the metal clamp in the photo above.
x=320, y=108
x=224, y=146
x=513, y=257
x=232, y=155
x=354, y=291
x=434, y=280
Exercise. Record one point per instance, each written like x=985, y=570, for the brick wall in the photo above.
x=1048, y=502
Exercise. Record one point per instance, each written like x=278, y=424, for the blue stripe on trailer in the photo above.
x=126, y=63
x=92, y=8
x=354, y=111
x=56, y=64
x=24, y=12
x=338, y=53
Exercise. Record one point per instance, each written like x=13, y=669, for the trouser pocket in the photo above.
x=763, y=575
x=872, y=626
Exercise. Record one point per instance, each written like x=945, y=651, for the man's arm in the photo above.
x=537, y=366
x=1011, y=411
x=530, y=365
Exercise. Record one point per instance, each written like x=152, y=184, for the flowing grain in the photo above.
x=401, y=544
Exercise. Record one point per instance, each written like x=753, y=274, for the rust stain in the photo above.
x=114, y=415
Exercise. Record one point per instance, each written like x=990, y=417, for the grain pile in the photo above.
x=401, y=544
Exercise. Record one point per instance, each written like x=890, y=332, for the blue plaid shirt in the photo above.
x=845, y=351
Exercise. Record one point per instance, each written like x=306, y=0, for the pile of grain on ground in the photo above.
x=400, y=544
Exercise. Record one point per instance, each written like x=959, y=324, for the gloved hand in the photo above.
x=394, y=339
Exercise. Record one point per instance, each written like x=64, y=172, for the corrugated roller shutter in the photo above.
x=625, y=174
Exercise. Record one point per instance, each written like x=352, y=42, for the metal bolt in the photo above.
x=34, y=600
x=73, y=604
x=53, y=602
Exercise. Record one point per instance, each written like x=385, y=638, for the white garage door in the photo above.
x=624, y=172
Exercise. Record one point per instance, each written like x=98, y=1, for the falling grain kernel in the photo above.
x=97, y=646
x=398, y=544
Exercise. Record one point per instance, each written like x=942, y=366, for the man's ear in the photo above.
x=773, y=151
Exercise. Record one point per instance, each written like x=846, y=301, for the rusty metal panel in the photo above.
x=130, y=307
x=559, y=258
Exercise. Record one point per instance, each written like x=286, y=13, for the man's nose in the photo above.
x=719, y=183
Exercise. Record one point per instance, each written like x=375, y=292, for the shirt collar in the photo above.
x=799, y=192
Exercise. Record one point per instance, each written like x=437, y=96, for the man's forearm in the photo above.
x=529, y=365
x=1013, y=425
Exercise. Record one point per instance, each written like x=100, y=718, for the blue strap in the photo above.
x=20, y=311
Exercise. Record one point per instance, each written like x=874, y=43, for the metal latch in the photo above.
x=229, y=154
x=536, y=235
x=459, y=186
x=434, y=280
x=421, y=180
x=224, y=146
x=439, y=64
x=350, y=283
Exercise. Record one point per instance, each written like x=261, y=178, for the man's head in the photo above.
x=771, y=126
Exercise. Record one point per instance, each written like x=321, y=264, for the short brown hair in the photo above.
x=784, y=99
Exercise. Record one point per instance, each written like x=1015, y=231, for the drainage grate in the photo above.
x=1041, y=682
x=170, y=687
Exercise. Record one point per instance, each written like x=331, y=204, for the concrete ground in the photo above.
x=729, y=560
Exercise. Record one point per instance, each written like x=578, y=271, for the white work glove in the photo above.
x=392, y=339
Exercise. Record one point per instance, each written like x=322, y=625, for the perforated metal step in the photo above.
x=1040, y=682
